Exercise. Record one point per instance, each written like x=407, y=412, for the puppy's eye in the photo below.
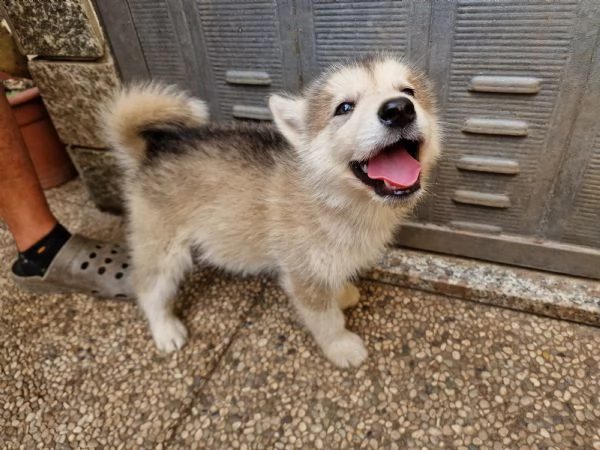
x=344, y=108
x=408, y=91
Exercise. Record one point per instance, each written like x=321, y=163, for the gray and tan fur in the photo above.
x=255, y=198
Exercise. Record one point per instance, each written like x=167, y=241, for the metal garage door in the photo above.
x=519, y=85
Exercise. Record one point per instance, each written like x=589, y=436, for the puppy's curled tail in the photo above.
x=131, y=116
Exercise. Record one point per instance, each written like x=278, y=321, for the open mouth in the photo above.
x=394, y=171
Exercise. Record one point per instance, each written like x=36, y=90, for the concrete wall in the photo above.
x=74, y=70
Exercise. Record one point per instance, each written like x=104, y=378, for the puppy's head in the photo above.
x=364, y=130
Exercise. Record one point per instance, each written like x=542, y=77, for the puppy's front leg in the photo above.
x=319, y=310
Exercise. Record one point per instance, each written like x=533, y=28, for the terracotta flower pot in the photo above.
x=50, y=159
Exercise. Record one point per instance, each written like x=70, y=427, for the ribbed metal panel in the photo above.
x=584, y=223
x=495, y=39
x=241, y=36
x=348, y=28
x=158, y=39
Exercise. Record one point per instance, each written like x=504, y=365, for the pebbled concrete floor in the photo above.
x=442, y=373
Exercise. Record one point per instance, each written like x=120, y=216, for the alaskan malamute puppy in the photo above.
x=313, y=200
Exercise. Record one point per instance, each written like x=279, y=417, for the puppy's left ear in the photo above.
x=288, y=114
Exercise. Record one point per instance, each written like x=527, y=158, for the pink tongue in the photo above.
x=396, y=167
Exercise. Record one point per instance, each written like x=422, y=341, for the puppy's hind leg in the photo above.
x=348, y=296
x=158, y=267
x=318, y=308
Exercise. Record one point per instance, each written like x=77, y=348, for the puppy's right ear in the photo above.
x=288, y=114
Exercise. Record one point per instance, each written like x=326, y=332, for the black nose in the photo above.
x=397, y=112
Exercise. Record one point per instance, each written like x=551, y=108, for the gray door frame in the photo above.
x=431, y=40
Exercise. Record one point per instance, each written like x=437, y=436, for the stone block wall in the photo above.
x=74, y=69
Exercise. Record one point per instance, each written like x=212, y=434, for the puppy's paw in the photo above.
x=169, y=335
x=348, y=297
x=347, y=349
